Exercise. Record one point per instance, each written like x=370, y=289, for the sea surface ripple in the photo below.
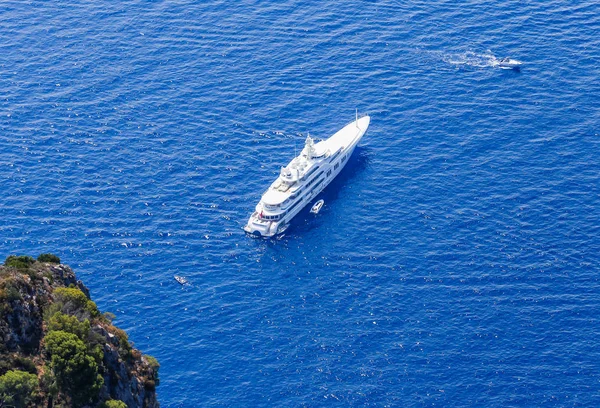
x=456, y=259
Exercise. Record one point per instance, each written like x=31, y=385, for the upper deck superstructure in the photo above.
x=303, y=178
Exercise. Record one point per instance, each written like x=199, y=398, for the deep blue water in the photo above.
x=456, y=260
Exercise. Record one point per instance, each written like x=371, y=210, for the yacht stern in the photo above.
x=258, y=227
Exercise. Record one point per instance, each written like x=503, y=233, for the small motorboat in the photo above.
x=317, y=206
x=181, y=280
x=509, y=63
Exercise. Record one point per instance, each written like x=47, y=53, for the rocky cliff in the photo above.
x=57, y=349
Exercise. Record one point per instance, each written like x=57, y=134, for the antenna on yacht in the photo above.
x=356, y=109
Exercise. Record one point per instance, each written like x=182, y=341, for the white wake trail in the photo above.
x=472, y=59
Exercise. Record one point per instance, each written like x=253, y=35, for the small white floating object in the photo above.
x=509, y=63
x=181, y=279
x=317, y=206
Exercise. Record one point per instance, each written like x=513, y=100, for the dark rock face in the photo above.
x=26, y=295
x=129, y=389
x=23, y=331
x=124, y=382
x=21, y=323
x=66, y=275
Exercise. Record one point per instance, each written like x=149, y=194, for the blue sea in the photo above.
x=456, y=261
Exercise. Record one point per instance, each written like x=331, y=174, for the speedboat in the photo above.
x=304, y=178
x=181, y=280
x=509, y=63
x=317, y=206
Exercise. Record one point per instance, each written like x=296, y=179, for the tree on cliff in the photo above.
x=70, y=324
x=75, y=369
x=17, y=388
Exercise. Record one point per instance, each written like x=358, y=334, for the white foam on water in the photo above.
x=471, y=59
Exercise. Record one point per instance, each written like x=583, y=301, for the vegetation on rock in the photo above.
x=114, y=404
x=18, y=388
x=70, y=324
x=74, y=366
x=73, y=301
x=49, y=258
x=19, y=262
x=57, y=349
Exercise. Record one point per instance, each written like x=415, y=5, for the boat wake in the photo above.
x=472, y=59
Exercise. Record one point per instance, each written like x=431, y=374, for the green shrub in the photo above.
x=124, y=345
x=70, y=324
x=11, y=293
x=72, y=300
x=18, y=388
x=71, y=295
x=154, y=366
x=75, y=368
x=113, y=404
x=109, y=316
x=49, y=258
x=22, y=262
x=152, y=362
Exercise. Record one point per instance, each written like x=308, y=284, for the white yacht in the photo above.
x=303, y=178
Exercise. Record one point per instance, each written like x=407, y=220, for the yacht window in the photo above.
x=293, y=205
x=316, y=185
x=310, y=172
x=328, y=172
x=314, y=179
x=336, y=166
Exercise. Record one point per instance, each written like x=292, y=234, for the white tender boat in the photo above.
x=509, y=63
x=303, y=178
x=317, y=206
